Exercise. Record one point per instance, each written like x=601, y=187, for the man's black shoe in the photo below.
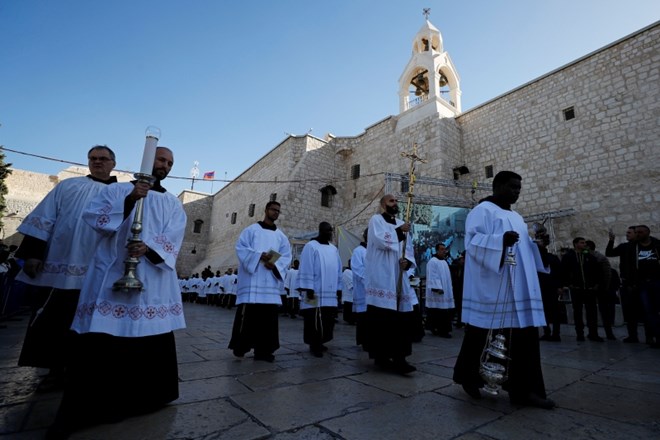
x=580, y=338
x=595, y=338
x=631, y=340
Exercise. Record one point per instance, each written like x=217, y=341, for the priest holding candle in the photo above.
x=124, y=359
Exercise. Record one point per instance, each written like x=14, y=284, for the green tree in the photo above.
x=4, y=172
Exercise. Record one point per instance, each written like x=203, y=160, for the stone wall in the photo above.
x=598, y=163
x=193, y=249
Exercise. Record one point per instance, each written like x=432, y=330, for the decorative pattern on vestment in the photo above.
x=75, y=270
x=388, y=238
x=40, y=223
x=103, y=218
x=167, y=245
x=387, y=294
x=134, y=312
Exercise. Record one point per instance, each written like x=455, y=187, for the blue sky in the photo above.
x=226, y=80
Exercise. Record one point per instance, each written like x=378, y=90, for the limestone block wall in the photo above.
x=270, y=175
x=197, y=207
x=25, y=189
x=598, y=163
x=378, y=151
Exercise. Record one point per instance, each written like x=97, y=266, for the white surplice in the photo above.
x=256, y=283
x=382, y=266
x=320, y=270
x=58, y=221
x=157, y=308
x=438, y=277
x=358, y=269
x=347, y=281
x=494, y=295
x=291, y=283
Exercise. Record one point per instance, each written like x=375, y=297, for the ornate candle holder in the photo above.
x=130, y=282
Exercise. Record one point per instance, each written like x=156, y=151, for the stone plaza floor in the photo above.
x=607, y=390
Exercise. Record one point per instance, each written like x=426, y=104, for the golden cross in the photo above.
x=411, y=175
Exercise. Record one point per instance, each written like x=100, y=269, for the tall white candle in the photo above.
x=150, y=144
x=149, y=155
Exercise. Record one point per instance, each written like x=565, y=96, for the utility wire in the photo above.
x=320, y=180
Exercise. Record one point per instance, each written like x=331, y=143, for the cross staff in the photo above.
x=409, y=196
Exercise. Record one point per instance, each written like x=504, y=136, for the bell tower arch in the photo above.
x=429, y=83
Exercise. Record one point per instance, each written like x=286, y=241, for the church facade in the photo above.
x=583, y=137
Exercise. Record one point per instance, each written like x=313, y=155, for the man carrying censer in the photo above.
x=502, y=293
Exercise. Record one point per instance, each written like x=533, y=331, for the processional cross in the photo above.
x=412, y=155
x=426, y=12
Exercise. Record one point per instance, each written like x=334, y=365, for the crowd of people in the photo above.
x=78, y=240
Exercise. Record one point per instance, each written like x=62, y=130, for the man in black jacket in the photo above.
x=631, y=303
x=645, y=275
x=581, y=274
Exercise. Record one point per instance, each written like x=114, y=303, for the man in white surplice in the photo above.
x=498, y=295
x=57, y=248
x=319, y=280
x=390, y=321
x=291, y=287
x=260, y=282
x=127, y=338
x=439, y=294
x=359, y=293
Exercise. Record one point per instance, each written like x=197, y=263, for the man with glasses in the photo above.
x=57, y=249
x=264, y=254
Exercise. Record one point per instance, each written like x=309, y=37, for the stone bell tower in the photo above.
x=429, y=83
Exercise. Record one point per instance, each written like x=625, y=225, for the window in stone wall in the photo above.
x=327, y=195
x=404, y=185
x=355, y=171
x=273, y=197
x=569, y=113
x=489, y=171
x=354, y=195
x=197, y=228
x=233, y=218
x=251, y=210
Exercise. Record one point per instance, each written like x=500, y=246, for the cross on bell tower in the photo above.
x=429, y=83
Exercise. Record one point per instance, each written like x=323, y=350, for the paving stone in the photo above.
x=286, y=408
x=615, y=403
x=189, y=421
x=533, y=423
x=425, y=416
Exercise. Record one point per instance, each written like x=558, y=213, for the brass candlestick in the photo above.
x=130, y=282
